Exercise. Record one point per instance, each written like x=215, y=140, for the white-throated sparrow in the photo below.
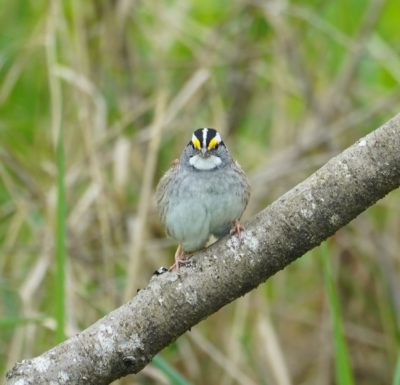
x=203, y=193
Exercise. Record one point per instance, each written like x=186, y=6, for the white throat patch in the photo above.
x=200, y=163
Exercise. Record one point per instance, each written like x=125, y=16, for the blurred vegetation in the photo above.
x=288, y=84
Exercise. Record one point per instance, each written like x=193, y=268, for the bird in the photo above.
x=203, y=193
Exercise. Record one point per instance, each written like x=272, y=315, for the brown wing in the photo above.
x=244, y=181
x=163, y=187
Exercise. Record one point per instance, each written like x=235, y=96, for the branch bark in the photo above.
x=125, y=340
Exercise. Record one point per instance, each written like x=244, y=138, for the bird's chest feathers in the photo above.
x=211, y=189
x=201, y=163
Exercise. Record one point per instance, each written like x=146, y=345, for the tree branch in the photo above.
x=125, y=340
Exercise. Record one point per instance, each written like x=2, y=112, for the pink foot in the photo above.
x=237, y=228
x=179, y=259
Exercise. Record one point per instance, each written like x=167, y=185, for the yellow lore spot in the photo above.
x=213, y=143
x=196, y=142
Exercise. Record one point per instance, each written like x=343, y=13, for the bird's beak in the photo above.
x=203, y=151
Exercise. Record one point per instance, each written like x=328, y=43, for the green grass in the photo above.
x=78, y=91
x=396, y=376
x=60, y=243
x=174, y=376
x=343, y=370
x=57, y=129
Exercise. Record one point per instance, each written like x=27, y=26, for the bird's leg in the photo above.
x=179, y=259
x=237, y=228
